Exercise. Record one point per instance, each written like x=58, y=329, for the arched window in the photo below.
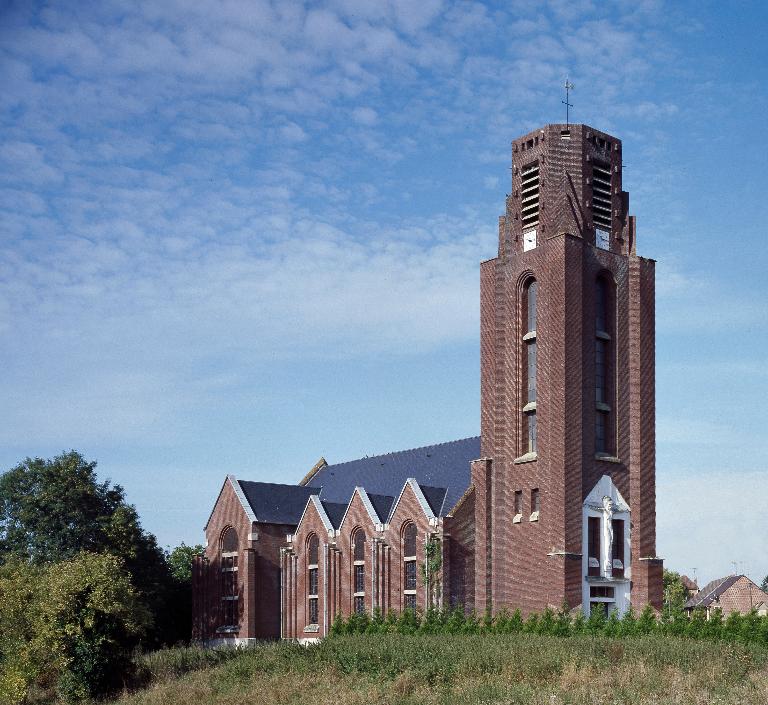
x=604, y=352
x=409, y=566
x=530, y=297
x=313, y=551
x=358, y=570
x=229, y=548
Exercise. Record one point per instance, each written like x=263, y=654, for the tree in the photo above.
x=764, y=584
x=180, y=561
x=675, y=594
x=50, y=510
x=69, y=626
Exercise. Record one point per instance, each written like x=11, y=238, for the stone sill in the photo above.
x=607, y=458
x=228, y=630
x=530, y=406
x=602, y=335
x=527, y=458
x=517, y=518
x=530, y=335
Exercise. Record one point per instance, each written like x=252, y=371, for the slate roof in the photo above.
x=273, y=503
x=444, y=466
x=435, y=497
x=335, y=512
x=711, y=591
x=381, y=505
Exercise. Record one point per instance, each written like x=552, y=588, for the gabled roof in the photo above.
x=711, y=591
x=445, y=465
x=273, y=503
x=689, y=584
x=435, y=497
x=335, y=512
x=381, y=505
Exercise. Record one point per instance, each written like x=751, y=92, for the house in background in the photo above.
x=689, y=585
x=734, y=593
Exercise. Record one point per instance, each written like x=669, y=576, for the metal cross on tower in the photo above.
x=568, y=88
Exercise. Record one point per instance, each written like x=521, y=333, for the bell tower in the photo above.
x=565, y=504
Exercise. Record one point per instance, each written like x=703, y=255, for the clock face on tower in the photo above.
x=529, y=240
x=602, y=239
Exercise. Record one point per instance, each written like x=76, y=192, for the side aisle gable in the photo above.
x=235, y=486
x=363, y=495
x=313, y=503
x=422, y=500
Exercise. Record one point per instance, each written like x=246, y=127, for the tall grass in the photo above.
x=468, y=668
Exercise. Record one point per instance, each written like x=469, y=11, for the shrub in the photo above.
x=454, y=624
x=80, y=635
x=646, y=623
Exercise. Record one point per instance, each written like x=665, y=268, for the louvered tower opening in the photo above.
x=529, y=196
x=601, y=196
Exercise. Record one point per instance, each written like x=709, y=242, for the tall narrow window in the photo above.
x=358, y=570
x=530, y=301
x=535, y=504
x=230, y=614
x=313, y=551
x=409, y=566
x=617, y=559
x=518, y=505
x=603, y=367
x=593, y=545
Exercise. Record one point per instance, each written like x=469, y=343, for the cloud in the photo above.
x=365, y=116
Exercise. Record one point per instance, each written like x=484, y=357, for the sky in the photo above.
x=237, y=236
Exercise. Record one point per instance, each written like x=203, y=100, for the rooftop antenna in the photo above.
x=568, y=88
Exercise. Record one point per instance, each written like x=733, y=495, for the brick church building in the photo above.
x=554, y=501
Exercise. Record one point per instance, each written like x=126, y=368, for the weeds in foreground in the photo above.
x=465, y=668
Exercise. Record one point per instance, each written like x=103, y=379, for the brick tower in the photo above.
x=565, y=504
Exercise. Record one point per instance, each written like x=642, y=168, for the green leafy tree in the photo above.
x=69, y=626
x=180, y=562
x=179, y=590
x=675, y=594
x=764, y=584
x=51, y=510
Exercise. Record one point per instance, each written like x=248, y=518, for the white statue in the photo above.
x=608, y=509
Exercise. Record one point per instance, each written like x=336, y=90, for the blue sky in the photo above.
x=238, y=236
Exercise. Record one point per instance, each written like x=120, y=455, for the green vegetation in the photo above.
x=81, y=583
x=468, y=668
x=67, y=628
x=745, y=628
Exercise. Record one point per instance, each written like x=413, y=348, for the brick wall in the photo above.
x=538, y=563
x=258, y=574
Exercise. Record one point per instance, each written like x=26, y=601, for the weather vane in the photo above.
x=568, y=88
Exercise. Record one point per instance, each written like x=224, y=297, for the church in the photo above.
x=554, y=502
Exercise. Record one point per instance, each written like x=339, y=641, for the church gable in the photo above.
x=360, y=512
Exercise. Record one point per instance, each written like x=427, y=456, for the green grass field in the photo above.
x=475, y=669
